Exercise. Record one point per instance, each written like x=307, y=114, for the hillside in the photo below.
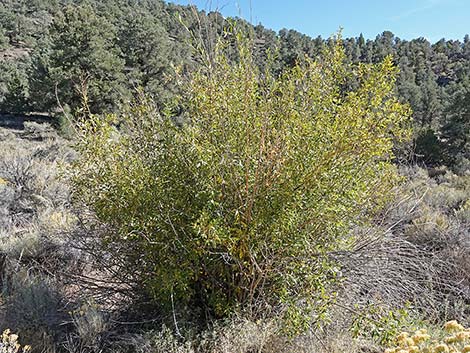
x=54, y=51
x=175, y=181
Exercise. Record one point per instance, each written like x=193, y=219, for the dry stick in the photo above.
x=134, y=322
x=410, y=211
x=356, y=312
x=19, y=260
x=178, y=333
x=321, y=341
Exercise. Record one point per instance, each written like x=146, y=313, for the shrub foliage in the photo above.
x=241, y=204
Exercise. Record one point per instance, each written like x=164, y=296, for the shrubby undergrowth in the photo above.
x=239, y=206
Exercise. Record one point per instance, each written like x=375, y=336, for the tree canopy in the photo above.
x=110, y=50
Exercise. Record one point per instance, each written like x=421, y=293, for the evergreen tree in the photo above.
x=145, y=46
x=85, y=62
x=456, y=127
x=104, y=49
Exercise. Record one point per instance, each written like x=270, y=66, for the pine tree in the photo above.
x=85, y=61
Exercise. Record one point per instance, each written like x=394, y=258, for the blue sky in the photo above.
x=432, y=19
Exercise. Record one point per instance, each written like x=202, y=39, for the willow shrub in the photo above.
x=240, y=206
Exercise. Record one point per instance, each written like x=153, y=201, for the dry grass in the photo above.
x=34, y=214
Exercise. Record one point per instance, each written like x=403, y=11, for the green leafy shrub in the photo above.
x=242, y=203
x=380, y=324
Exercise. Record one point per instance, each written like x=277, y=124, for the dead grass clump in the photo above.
x=38, y=131
x=33, y=307
x=414, y=255
x=90, y=330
